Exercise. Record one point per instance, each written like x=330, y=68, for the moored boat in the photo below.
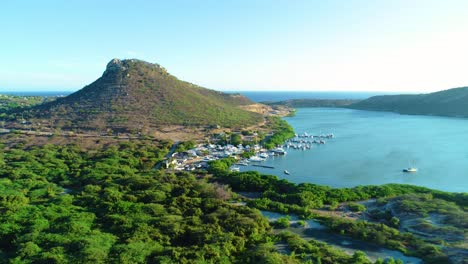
x=279, y=151
x=256, y=159
x=411, y=169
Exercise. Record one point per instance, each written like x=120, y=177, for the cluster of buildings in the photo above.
x=198, y=157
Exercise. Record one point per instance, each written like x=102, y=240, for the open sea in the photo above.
x=373, y=148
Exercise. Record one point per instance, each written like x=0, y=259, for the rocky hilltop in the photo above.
x=137, y=96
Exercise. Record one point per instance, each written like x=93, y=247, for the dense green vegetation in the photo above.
x=136, y=96
x=318, y=252
x=298, y=103
x=424, y=204
x=184, y=146
x=64, y=205
x=356, y=207
x=322, y=253
x=451, y=102
x=282, y=131
x=282, y=222
x=381, y=234
x=426, y=214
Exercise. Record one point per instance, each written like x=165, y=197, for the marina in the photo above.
x=200, y=156
x=305, y=141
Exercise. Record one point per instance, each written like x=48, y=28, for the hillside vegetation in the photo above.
x=134, y=95
x=451, y=102
x=10, y=103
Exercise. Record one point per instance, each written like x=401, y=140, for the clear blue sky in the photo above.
x=387, y=45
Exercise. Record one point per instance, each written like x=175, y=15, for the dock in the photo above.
x=263, y=166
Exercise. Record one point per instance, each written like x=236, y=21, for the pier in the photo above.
x=263, y=166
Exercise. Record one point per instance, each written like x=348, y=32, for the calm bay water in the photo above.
x=374, y=147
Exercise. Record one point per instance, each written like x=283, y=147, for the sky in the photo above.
x=265, y=45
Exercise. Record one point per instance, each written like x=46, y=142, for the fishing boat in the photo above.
x=286, y=172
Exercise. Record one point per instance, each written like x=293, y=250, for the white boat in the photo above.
x=411, y=169
x=235, y=169
x=279, y=151
x=286, y=172
x=264, y=155
x=243, y=163
x=256, y=159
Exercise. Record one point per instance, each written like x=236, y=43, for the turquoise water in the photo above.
x=373, y=148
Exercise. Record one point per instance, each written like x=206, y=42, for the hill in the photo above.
x=135, y=96
x=298, y=103
x=452, y=102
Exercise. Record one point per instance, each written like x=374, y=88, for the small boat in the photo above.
x=279, y=151
x=256, y=159
x=411, y=169
x=286, y=172
x=235, y=169
x=242, y=163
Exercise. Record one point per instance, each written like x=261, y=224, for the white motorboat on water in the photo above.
x=411, y=169
x=243, y=163
x=279, y=151
x=286, y=172
x=256, y=159
x=235, y=169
